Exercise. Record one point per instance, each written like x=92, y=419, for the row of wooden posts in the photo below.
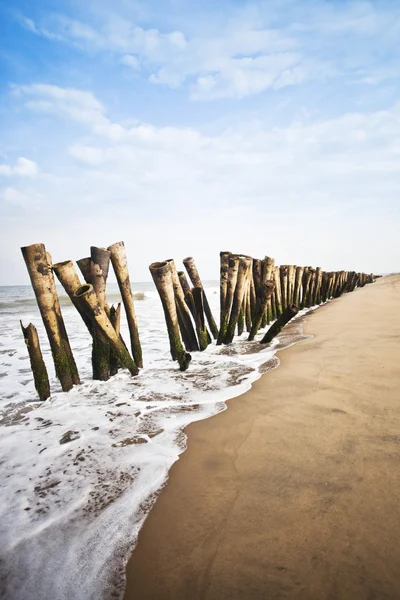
x=253, y=293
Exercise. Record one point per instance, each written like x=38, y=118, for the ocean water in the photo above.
x=70, y=512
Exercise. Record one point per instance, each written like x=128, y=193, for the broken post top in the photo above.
x=85, y=268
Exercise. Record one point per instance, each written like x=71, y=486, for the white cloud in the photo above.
x=23, y=168
x=130, y=61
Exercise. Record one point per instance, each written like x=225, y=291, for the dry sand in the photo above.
x=294, y=491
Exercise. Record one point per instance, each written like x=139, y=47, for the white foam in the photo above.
x=70, y=513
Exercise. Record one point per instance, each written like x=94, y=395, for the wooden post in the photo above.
x=40, y=376
x=184, y=318
x=68, y=277
x=297, y=286
x=115, y=320
x=120, y=266
x=316, y=288
x=43, y=284
x=290, y=283
x=89, y=302
x=99, y=266
x=278, y=294
x=161, y=273
x=288, y=314
x=265, y=295
x=248, y=314
x=230, y=291
x=244, y=266
x=202, y=333
x=224, y=271
x=85, y=268
x=195, y=279
x=268, y=265
x=284, y=285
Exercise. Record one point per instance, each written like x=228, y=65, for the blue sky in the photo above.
x=185, y=128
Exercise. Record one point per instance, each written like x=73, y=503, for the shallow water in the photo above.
x=70, y=512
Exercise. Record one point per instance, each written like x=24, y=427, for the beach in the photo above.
x=294, y=490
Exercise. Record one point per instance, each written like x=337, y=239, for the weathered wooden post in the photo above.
x=291, y=282
x=183, y=313
x=224, y=270
x=195, y=279
x=68, y=277
x=278, y=294
x=257, y=274
x=40, y=376
x=43, y=284
x=202, y=333
x=99, y=266
x=230, y=290
x=262, y=301
x=297, y=285
x=161, y=273
x=115, y=320
x=84, y=265
x=268, y=265
x=248, y=314
x=120, y=266
x=316, y=289
x=284, y=285
x=288, y=314
x=244, y=266
x=253, y=296
x=89, y=302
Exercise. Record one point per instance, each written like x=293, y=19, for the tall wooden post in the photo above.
x=244, y=266
x=99, y=266
x=284, y=285
x=297, y=286
x=43, y=284
x=184, y=319
x=120, y=265
x=161, y=273
x=265, y=295
x=195, y=279
x=230, y=291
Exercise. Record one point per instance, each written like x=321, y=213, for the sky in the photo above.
x=185, y=128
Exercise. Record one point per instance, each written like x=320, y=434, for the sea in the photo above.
x=71, y=511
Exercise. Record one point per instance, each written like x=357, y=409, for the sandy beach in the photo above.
x=294, y=491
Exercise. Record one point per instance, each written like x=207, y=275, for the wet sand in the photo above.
x=294, y=491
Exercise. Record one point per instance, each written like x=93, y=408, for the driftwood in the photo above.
x=230, y=291
x=41, y=275
x=195, y=279
x=40, y=376
x=162, y=277
x=120, y=266
x=89, y=302
x=288, y=314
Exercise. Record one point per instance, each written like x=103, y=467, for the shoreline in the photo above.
x=257, y=487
